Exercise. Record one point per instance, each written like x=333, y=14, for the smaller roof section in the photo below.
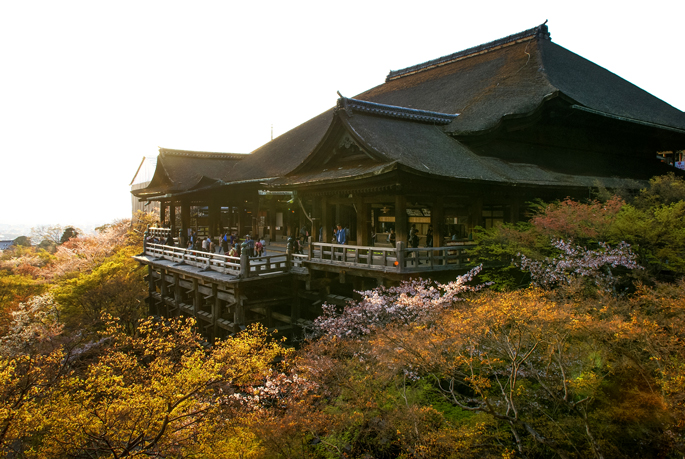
x=178, y=171
x=393, y=111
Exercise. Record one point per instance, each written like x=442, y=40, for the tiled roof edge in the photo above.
x=356, y=105
x=540, y=31
x=201, y=154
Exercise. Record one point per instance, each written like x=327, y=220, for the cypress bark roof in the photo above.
x=410, y=120
x=182, y=170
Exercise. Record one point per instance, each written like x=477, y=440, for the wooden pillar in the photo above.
x=216, y=311
x=326, y=219
x=255, y=217
x=316, y=219
x=177, y=293
x=362, y=220
x=151, y=289
x=197, y=298
x=185, y=222
x=295, y=307
x=401, y=218
x=438, y=221
x=239, y=311
x=172, y=215
x=273, y=209
x=162, y=212
x=240, y=216
x=214, y=214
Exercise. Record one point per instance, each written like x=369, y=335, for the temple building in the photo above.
x=458, y=142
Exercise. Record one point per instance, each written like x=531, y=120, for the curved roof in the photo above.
x=181, y=170
x=511, y=77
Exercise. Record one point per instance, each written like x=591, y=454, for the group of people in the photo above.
x=229, y=244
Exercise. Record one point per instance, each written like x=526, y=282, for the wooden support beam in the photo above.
x=272, y=218
x=295, y=307
x=438, y=221
x=362, y=210
x=401, y=218
x=151, y=290
x=177, y=291
x=172, y=217
x=216, y=312
x=185, y=222
x=197, y=298
x=239, y=311
x=326, y=220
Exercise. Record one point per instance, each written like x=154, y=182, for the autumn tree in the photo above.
x=158, y=392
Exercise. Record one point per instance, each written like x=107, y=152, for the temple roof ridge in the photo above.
x=540, y=31
x=393, y=111
x=201, y=154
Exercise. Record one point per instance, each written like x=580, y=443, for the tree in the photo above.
x=157, y=392
x=47, y=233
x=31, y=364
x=22, y=241
x=69, y=232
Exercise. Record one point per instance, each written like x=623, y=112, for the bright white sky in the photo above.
x=87, y=88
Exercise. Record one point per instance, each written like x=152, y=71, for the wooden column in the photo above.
x=216, y=311
x=162, y=212
x=185, y=222
x=152, y=309
x=255, y=217
x=240, y=218
x=177, y=293
x=172, y=215
x=362, y=220
x=401, y=218
x=239, y=311
x=214, y=213
x=326, y=219
x=295, y=307
x=197, y=298
x=273, y=209
x=316, y=219
x=438, y=221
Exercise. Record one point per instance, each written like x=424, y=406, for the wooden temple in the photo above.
x=459, y=142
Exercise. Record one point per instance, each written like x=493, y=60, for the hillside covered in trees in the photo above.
x=572, y=347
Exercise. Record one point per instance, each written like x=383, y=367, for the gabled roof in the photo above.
x=411, y=121
x=513, y=76
x=182, y=170
x=424, y=149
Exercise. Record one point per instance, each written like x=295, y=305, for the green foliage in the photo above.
x=23, y=241
x=68, y=233
x=115, y=287
x=657, y=235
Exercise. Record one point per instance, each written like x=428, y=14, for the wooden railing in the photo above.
x=208, y=261
x=243, y=266
x=398, y=259
x=391, y=259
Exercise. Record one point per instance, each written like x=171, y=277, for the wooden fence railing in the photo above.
x=397, y=259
